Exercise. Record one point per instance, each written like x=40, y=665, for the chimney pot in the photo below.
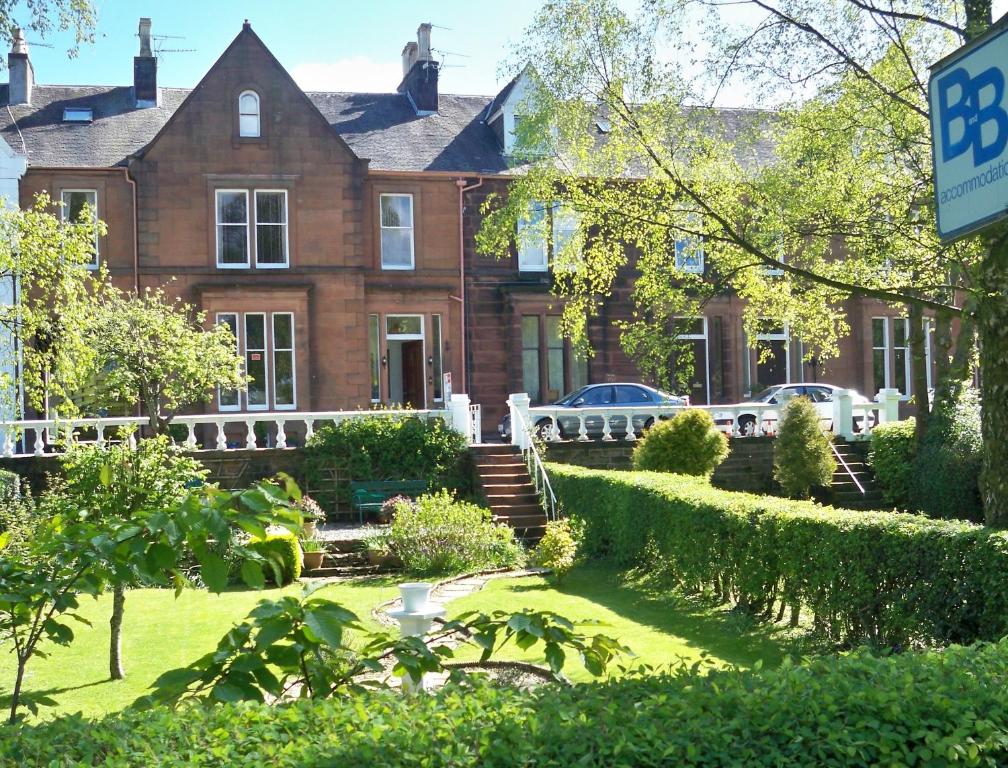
x=144, y=33
x=409, y=57
x=423, y=34
x=420, y=73
x=20, y=71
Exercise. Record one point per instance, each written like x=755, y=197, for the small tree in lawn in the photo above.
x=803, y=458
x=125, y=484
x=157, y=353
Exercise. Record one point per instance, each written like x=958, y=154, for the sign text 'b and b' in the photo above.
x=972, y=114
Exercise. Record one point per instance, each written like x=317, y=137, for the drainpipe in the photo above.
x=136, y=233
x=462, y=188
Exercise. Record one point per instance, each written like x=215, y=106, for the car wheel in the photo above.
x=647, y=426
x=747, y=425
x=544, y=430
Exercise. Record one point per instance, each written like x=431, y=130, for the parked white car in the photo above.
x=821, y=396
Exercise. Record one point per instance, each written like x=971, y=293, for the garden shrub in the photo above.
x=803, y=458
x=924, y=709
x=891, y=456
x=557, y=550
x=284, y=551
x=947, y=483
x=438, y=534
x=383, y=447
x=19, y=516
x=882, y=578
x=688, y=444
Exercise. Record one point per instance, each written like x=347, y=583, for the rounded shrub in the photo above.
x=437, y=534
x=557, y=550
x=686, y=444
x=947, y=482
x=284, y=551
x=891, y=456
x=803, y=459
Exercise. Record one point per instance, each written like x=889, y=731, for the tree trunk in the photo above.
x=115, y=625
x=16, y=694
x=992, y=332
x=918, y=367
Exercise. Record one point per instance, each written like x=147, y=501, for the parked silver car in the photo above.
x=821, y=396
x=600, y=396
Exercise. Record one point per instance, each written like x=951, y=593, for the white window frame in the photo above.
x=285, y=264
x=218, y=224
x=682, y=243
x=928, y=354
x=704, y=337
x=437, y=347
x=421, y=337
x=376, y=367
x=257, y=114
x=411, y=228
x=526, y=246
x=562, y=211
x=63, y=215
x=266, y=360
x=886, y=350
x=218, y=321
x=907, y=367
x=292, y=406
x=784, y=336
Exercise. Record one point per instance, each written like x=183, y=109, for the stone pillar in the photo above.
x=889, y=400
x=843, y=414
x=458, y=407
x=519, y=405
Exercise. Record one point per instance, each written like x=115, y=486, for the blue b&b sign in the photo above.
x=969, y=135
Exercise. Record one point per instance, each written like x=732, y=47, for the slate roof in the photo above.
x=381, y=127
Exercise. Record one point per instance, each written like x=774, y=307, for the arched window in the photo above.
x=248, y=114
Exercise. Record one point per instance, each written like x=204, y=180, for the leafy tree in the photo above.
x=292, y=646
x=81, y=552
x=156, y=352
x=46, y=16
x=803, y=459
x=827, y=197
x=130, y=484
x=45, y=257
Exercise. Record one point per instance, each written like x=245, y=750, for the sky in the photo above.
x=334, y=45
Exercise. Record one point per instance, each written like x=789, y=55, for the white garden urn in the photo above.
x=416, y=616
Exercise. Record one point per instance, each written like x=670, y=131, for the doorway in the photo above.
x=405, y=352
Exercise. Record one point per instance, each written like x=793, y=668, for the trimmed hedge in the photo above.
x=284, y=549
x=882, y=578
x=913, y=709
x=892, y=457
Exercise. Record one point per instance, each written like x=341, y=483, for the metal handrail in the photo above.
x=847, y=469
x=535, y=464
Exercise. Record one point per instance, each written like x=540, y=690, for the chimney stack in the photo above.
x=420, y=73
x=20, y=71
x=145, y=68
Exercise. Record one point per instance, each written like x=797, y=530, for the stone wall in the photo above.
x=749, y=466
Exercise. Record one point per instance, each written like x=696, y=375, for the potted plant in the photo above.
x=312, y=514
x=313, y=552
x=379, y=552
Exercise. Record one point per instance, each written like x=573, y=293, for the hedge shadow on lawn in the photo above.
x=701, y=625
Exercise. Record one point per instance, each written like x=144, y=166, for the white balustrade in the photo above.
x=42, y=436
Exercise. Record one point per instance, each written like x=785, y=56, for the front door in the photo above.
x=413, y=374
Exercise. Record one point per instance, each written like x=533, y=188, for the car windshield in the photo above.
x=765, y=395
x=568, y=399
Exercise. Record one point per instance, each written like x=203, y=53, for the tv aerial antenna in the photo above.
x=158, y=43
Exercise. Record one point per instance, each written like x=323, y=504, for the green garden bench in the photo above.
x=370, y=496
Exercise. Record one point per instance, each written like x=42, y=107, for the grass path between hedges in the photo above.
x=159, y=633
x=659, y=626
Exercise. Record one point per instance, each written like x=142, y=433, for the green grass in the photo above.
x=159, y=633
x=661, y=627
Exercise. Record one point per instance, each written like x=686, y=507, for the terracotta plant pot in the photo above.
x=313, y=560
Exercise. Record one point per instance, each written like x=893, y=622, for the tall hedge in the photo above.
x=938, y=709
x=892, y=457
x=883, y=578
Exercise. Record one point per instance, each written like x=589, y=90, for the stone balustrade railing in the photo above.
x=219, y=430
x=846, y=418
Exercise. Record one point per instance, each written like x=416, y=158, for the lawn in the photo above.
x=159, y=633
x=659, y=626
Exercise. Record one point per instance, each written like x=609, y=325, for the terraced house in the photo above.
x=334, y=233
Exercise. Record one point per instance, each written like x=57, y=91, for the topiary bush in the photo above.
x=284, y=552
x=881, y=578
x=383, y=447
x=892, y=456
x=558, y=548
x=921, y=709
x=437, y=534
x=947, y=471
x=803, y=458
x=687, y=444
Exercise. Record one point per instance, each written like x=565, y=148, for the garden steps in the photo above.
x=504, y=480
x=845, y=491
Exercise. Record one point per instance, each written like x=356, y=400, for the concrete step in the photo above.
x=494, y=449
x=358, y=571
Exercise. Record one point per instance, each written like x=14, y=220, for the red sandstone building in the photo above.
x=334, y=232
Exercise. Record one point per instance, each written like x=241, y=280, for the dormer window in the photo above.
x=248, y=115
x=78, y=114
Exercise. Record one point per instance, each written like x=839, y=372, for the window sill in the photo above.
x=233, y=266
x=390, y=268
